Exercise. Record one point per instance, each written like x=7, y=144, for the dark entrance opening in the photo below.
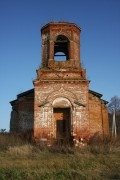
x=63, y=123
x=61, y=128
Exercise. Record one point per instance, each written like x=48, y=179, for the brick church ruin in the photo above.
x=61, y=106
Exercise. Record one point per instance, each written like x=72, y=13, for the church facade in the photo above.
x=61, y=106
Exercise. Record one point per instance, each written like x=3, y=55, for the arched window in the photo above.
x=61, y=48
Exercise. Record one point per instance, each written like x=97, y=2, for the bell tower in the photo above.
x=61, y=51
x=61, y=42
x=61, y=88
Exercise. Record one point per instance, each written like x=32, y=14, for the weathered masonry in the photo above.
x=61, y=106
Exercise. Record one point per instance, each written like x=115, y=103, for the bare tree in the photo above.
x=114, y=114
x=114, y=104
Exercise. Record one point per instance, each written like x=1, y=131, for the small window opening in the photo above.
x=61, y=48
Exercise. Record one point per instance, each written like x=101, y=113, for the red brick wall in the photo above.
x=105, y=119
x=45, y=95
x=98, y=115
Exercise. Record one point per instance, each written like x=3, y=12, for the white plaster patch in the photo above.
x=78, y=113
x=61, y=102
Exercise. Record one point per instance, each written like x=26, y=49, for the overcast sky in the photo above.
x=20, y=44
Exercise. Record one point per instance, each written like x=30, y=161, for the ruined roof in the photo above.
x=99, y=96
x=26, y=93
x=60, y=22
x=31, y=91
x=104, y=101
x=95, y=93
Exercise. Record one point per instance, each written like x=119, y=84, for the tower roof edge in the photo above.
x=60, y=23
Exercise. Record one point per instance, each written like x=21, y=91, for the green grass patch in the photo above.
x=26, y=161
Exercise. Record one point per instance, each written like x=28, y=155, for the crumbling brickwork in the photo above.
x=98, y=114
x=62, y=105
x=65, y=82
x=22, y=114
x=60, y=95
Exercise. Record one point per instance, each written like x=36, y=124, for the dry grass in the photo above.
x=98, y=144
x=22, y=151
x=98, y=160
x=14, y=139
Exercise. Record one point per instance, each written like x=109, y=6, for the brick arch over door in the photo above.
x=61, y=102
x=61, y=93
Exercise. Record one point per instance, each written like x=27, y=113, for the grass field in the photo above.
x=20, y=160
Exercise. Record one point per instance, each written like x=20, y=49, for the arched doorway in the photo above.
x=62, y=118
